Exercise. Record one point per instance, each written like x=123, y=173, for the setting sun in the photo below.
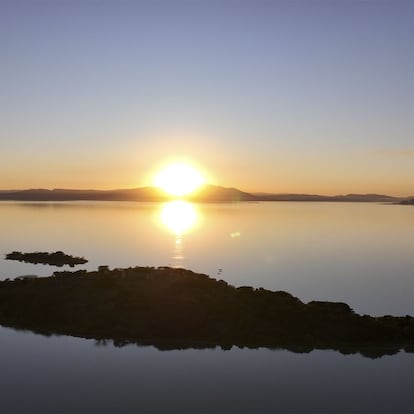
x=179, y=179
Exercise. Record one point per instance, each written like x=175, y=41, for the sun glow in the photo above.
x=179, y=179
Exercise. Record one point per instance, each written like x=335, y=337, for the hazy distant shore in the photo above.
x=176, y=309
x=207, y=194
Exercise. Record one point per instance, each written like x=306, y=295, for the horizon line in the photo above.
x=256, y=193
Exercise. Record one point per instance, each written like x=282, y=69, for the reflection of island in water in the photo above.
x=54, y=259
x=176, y=309
x=179, y=217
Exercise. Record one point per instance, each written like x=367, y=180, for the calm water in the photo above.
x=69, y=375
x=358, y=253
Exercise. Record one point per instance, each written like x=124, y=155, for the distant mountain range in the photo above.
x=409, y=201
x=378, y=198
x=207, y=194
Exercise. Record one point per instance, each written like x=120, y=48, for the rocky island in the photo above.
x=177, y=308
x=55, y=259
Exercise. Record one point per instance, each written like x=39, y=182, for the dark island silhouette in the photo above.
x=206, y=194
x=57, y=258
x=177, y=309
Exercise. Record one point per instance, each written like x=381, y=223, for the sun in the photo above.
x=179, y=179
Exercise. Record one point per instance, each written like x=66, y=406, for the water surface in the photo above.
x=358, y=253
x=71, y=375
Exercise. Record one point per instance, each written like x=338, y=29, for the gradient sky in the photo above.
x=282, y=96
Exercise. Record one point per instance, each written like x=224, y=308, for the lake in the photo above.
x=358, y=253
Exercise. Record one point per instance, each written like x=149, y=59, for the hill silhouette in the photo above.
x=366, y=198
x=409, y=201
x=206, y=194
x=176, y=308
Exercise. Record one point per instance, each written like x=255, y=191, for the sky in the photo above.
x=272, y=96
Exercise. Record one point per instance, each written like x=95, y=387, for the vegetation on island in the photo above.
x=55, y=259
x=177, y=309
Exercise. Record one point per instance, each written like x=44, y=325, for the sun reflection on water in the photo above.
x=179, y=217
